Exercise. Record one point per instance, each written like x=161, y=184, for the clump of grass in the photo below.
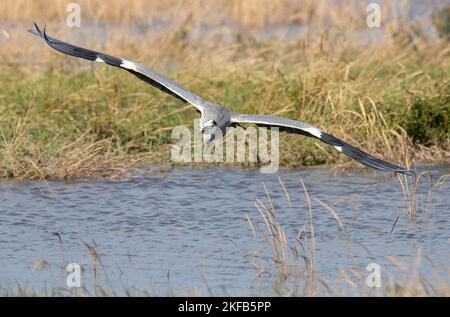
x=288, y=261
x=417, y=198
x=411, y=188
x=426, y=120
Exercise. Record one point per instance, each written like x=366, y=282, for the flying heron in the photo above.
x=214, y=116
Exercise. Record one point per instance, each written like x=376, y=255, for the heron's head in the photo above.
x=210, y=132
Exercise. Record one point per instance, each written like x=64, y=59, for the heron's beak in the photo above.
x=211, y=134
x=208, y=139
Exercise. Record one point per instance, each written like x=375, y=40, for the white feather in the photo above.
x=128, y=65
x=314, y=131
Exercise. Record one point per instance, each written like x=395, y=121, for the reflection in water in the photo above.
x=189, y=228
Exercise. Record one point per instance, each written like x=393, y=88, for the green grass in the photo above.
x=62, y=122
x=427, y=120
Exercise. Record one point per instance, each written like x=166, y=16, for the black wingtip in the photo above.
x=406, y=172
x=36, y=31
x=45, y=34
x=365, y=158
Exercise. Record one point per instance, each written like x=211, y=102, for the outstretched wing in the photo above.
x=149, y=76
x=302, y=128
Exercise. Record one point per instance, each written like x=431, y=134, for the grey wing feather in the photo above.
x=157, y=80
x=311, y=131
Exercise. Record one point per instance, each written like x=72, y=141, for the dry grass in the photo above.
x=292, y=266
x=249, y=13
x=62, y=118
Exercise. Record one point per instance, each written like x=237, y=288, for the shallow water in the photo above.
x=182, y=230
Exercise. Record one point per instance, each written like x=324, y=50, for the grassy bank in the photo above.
x=65, y=123
x=61, y=118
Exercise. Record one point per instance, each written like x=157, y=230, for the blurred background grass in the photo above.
x=383, y=89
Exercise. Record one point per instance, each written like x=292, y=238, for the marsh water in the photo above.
x=188, y=230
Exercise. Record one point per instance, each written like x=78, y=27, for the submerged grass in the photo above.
x=286, y=265
x=292, y=266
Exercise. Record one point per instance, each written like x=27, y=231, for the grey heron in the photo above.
x=214, y=116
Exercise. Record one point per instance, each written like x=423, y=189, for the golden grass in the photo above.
x=294, y=262
x=249, y=13
x=364, y=94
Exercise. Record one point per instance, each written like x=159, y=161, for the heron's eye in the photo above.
x=210, y=123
